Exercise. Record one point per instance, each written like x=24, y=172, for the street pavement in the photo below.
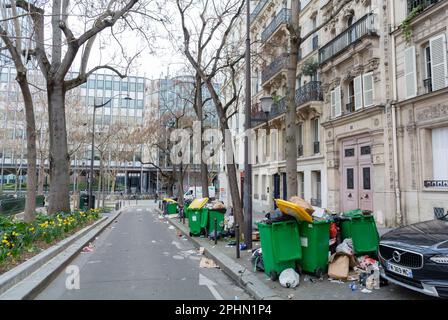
x=142, y=257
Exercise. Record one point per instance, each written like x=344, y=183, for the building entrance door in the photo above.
x=356, y=183
x=276, y=193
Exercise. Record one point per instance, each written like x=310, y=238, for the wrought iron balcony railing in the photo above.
x=277, y=109
x=362, y=27
x=264, y=197
x=283, y=17
x=274, y=67
x=422, y=4
x=309, y=92
x=257, y=9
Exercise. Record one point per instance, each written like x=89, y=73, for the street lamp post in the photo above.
x=247, y=201
x=95, y=106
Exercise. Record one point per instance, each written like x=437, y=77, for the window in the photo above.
x=440, y=153
x=349, y=152
x=100, y=84
x=350, y=179
x=140, y=87
x=124, y=86
x=108, y=85
x=316, y=143
x=116, y=85
x=132, y=86
x=263, y=186
x=366, y=178
x=256, y=189
x=4, y=77
x=365, y=150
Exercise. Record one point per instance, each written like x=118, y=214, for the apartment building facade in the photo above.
x=269, y=21
x=421, y=103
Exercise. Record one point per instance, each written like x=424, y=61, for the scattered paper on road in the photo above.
x=201, y=250
x=207, y=263
x=171, y=227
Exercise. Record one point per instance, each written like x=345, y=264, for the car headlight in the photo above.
x=443, y=259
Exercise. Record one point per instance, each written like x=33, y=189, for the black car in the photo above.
x=416, y=257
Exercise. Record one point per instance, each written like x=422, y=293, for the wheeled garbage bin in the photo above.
x=198, y=217
x=315, y=242
x=217, y=214
x=362, y=230
x=280, y=246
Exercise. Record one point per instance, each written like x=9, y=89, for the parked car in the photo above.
x=416, y=257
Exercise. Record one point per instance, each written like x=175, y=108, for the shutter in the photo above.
x=337, y=102
x=333, y=110
x=410, y=72
x=357, y=86
x=437, y=47
x=367, y=83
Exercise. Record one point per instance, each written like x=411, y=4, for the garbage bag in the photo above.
x=289, y=278
x=302, y=203
x=346, y=247
x=257, y=260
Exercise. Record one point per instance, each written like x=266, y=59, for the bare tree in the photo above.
x=218, y=19
x=55, y=57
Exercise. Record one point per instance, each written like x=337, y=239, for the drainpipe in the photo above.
x=398, y=213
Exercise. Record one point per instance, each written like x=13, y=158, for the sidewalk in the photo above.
x=310, y=287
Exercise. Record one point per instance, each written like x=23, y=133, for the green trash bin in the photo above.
x=197, y=221
x=219, y=215
x=171, y=207
x=315, y=242
x=280, y=246
x=362, y=230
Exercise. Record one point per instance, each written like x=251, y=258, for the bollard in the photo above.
x=216, y=231
x=237, y=236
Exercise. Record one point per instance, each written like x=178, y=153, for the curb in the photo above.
x=243, y=277
x=29, y=278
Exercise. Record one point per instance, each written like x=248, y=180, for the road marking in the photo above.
x=204, y=281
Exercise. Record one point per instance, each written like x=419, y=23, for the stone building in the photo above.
x=421, y=104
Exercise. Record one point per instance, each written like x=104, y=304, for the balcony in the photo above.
x=283, y=17
x=274, y=67
x=277, y=109
x=422, y=4
x=316, y=147
x=359, y=29
x=260, y=6
x=309, y=92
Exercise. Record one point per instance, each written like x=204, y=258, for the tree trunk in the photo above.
x=30, y=202
x=233, y=185
x=291, y=116
x=180, y=190
x=59, y=157
x=200, y=115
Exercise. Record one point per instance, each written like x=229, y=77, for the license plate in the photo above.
x=399, y=270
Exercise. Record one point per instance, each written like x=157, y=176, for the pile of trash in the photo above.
x=362, y=272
